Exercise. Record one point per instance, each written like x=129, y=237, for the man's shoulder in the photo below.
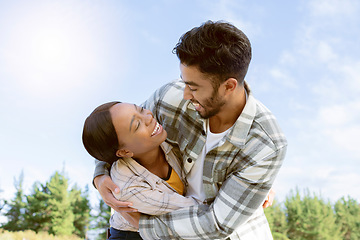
x=265, y=121
x=172, y=91
x=170, y=98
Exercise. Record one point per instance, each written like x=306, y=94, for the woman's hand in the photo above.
x=106, y=187
x=269, y=199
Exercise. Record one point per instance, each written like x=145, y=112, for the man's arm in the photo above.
x=239, y=197
x=106, y=187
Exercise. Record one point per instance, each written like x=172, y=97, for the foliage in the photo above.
x=277, y=221
x=81, y=208
x=16, y=211
x=60, y=212
x=37, y=217
x=49, y=208
x=310, y=218
x=31, y=235
x=348, y=217
x=2, y=201
x=52, y=211
x=101, y=219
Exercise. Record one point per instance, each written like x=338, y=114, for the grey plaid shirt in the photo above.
x=238, y=173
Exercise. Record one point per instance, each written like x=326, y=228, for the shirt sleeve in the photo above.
x=101, y=168
x=239, y=197
x=147, y=196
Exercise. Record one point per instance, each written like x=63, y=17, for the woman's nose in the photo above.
x=148, y=117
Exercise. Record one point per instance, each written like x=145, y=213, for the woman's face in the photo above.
x=136, y=128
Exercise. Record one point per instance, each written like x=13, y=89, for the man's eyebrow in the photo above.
x=191, y=83
x=132, y=119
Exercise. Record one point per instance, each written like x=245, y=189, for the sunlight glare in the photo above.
x=51, y=52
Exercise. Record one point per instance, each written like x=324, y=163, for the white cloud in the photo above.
x=333, y=8
x=325, y=52
x=230, y=9
x=285, y=79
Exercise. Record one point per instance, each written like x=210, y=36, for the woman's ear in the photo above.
x=124, y=153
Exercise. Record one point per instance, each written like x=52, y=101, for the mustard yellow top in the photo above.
x=175, y=182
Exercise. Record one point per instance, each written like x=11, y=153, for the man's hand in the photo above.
x=106, y=187
x=269, y=199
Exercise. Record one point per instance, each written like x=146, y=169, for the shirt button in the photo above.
x=189, y=160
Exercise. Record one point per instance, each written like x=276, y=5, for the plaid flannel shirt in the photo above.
x=238, y=173
x=148, y=193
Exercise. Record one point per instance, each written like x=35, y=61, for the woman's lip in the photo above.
x=157, y=130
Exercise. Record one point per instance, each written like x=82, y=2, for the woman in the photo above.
x=143, y=165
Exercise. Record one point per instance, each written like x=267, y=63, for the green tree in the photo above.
x=81, y=209
x=16, y=207
x=277, y=221
x=37, y=216
x=101, y=219
x=2, y=201
x=348, y=217
x=59, y=206
x=310, y=218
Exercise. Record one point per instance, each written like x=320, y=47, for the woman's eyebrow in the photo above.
x=133, y=118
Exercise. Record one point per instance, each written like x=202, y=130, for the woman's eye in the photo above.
x=137, y=126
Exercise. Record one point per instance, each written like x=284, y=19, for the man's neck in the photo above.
x=229, y=113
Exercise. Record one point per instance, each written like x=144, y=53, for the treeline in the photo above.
x=58, y=210
x=54, y=208
x=309, y=217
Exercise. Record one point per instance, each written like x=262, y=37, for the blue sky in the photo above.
x=61, y=59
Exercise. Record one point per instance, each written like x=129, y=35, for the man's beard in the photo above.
x=212, y=106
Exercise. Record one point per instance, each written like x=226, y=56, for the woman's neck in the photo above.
x=155, y=162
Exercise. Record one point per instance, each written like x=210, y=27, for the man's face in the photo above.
x=200, y=91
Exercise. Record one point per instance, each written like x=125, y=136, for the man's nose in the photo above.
x=187, y=93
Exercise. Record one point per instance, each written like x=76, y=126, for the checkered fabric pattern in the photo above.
x=238, y=173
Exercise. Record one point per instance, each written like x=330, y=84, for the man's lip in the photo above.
x=197, y=105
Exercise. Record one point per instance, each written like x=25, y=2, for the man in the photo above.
x=231, y=145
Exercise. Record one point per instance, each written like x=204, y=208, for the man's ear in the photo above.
x=124, y=153
x=230, y=84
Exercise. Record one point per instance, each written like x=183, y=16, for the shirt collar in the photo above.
x=240, y=129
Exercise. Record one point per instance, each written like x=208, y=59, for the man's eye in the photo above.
x=191, y=89
x=142, y=109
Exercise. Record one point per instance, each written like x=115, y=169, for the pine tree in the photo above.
x=16, y=207
x=101, y=219
x=277, y=221
x=310, y=218
x=81, y=208
x=37, y=215
x=2, y=202
x=60, y=211
x=348, y=217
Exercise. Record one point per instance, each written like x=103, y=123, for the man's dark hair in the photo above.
x=99, y=136
x=216, y=48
